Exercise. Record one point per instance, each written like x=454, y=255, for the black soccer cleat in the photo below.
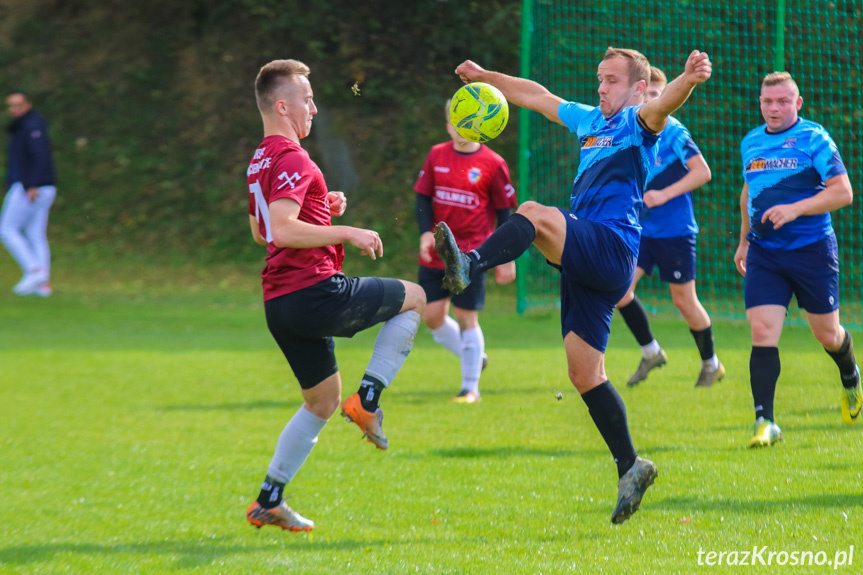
x=631, y=488
x=457, y=274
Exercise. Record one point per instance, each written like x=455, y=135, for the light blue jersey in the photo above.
x=675, y=218
x=783, y=168
x=615, y=158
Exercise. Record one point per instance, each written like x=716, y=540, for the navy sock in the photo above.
x=764, y=370
x=370, y=392
x=272, y=492
x=609, y=415
x=704, y=341
x=636, y=320
x=507, y=242
x=846, y=362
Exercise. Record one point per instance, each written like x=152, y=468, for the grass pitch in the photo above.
x=138, y=415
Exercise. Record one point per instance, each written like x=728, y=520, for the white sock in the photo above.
x=392, y=346
x=473, y=346
x=295, y=443
x=650, y=350
x=449, y=335
x=712, y=363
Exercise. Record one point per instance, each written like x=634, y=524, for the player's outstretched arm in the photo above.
x=698, y=70
x=519, y=91
x=289, y=232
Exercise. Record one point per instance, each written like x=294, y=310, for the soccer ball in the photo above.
x=478, y=112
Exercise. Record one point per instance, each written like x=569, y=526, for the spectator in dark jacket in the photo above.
x=31, y=191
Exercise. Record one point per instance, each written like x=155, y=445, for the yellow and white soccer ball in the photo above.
x=478, y=112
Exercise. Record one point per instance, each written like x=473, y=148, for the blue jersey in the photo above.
x=675, y=218
x=615, y=158
x=783, y=168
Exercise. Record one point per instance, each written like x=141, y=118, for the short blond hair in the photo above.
x=776, y=78
x=637, y=63
x=273, y=78
x=657, y=76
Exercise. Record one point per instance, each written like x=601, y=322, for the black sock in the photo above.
x=845, y=360
x=370, y=392
x=764, y=370
x=704, y=341
x=272, y=492
x=609, y=415
x=635, y=317
x=506, y=243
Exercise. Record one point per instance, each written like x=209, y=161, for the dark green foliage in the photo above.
x=153, y=118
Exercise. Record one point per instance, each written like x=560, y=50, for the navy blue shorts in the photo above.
x=811, y=273
x=595, y=273
x=472, y=298
x=304, y=322
x=675, y=258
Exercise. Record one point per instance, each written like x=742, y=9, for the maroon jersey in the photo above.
x=466, y=189
x=281, y=168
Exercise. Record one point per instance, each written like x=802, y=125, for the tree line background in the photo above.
x=153, y=121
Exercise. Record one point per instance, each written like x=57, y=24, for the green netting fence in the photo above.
x=818, y=42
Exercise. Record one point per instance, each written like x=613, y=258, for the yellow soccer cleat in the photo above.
x=766, y=434
x=466, y=397
x=852, y=402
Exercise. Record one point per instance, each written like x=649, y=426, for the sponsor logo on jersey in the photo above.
x=596, y=142
x=454, y=197
x=658, y=161
x=760, y=164
x=442, y=169
x=474, y=174
x=790, y=143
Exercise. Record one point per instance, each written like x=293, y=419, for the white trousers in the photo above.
x=24, y=227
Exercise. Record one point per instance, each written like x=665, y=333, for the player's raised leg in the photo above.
x=392, y=346
x=532, y=223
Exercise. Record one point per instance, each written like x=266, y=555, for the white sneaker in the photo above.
x=43, y=290
x=30, y=283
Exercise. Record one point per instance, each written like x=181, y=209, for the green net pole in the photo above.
x=523, y=152
x=780, y=36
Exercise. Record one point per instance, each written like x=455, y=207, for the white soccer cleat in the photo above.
x=30, y=283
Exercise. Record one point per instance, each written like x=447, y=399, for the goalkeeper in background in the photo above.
x=668, y=241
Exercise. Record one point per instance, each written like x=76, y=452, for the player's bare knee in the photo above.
x=324, y=406
x=626, y=299
x=415, y=298
x=762, y=332
x=830, y=338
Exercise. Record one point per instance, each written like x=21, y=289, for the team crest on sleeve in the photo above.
x=790, y=143
x=474, y=174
